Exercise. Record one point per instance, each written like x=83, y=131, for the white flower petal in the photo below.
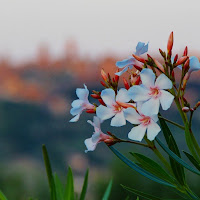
x=77, y=103
x=76, y=118
x=166, y=99
x=123, y=96
x=147, y=77
x=118, y=120
x=163, y=82
x=96, y=137
x=132, y=116
x=82, y=93
x=108, y=96
x=104, y=112
x=138, y=93
x=91, y=146
x=155, y=118
x=97, y=121
x=151, y=107
x=137, y=133
x=194, y=64
x=76, y=111
x=152, y=130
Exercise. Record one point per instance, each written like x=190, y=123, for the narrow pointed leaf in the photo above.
x=2, y=196
x=153, y=167
x=138, y=168
x=69, y=189
x=191, y=146
x=49, y=173
x=84, y=188
x=59, y=188
x=107, y=192
x=176, y=158
x=192, y=160
x=178, y=170
x=141, y=194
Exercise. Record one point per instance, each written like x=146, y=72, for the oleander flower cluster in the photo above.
x=151, y=87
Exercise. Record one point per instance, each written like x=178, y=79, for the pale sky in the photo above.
x=99, y=26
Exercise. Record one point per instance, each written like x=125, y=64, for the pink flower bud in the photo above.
x=95, y=96
x=186, y=65
x=170, y=43
x=126, y=85
x=185, y=51
x=125, y=105
x=138, y=58
x=91, y=111
x=138, y=67
x=185, y=109
x=102, y=83
x=101, y=102
x=117, y=77
x=159, y=65
x=104, y=76
x=181, y=60
x=176, y=58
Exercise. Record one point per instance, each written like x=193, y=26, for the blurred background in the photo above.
x=47, y=50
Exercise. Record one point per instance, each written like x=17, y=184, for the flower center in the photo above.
x=117, y=108
x=154, y=92
x=145, y=120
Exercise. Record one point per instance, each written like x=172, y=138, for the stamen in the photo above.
x=145, y=120
x=154, y=92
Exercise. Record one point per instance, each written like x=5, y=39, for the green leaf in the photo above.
x=59, y=188
x=69, y=189
x=84, y=188
x=176, y=158
x=141, y=194
x=189, y=141
x=151, y=166
x=178, y=170
x=49, y=173
x=192, y=160
x=107, y=192
x=2, y=196
x=138, y=168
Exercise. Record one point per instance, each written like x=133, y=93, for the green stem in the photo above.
x=132, y=142
x=190, y=193
x=174, y=123
x=162, y=159
x=158, y=154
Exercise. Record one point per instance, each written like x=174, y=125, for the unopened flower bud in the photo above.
x=102, y=83
x=185, y=51
x=104, y=76
x=138, y=67
x=101, y=102
x=186, y=65
x=137, y=82
x=95, y=96
x=185, y=109
x=91, y=111
x=126, y=105
x=138, y=58
x=175, y=58
x=170, y=43
x=181, y=60
x=126, y=85
x=159, y=65
x=197, y=105
x=117, y=77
